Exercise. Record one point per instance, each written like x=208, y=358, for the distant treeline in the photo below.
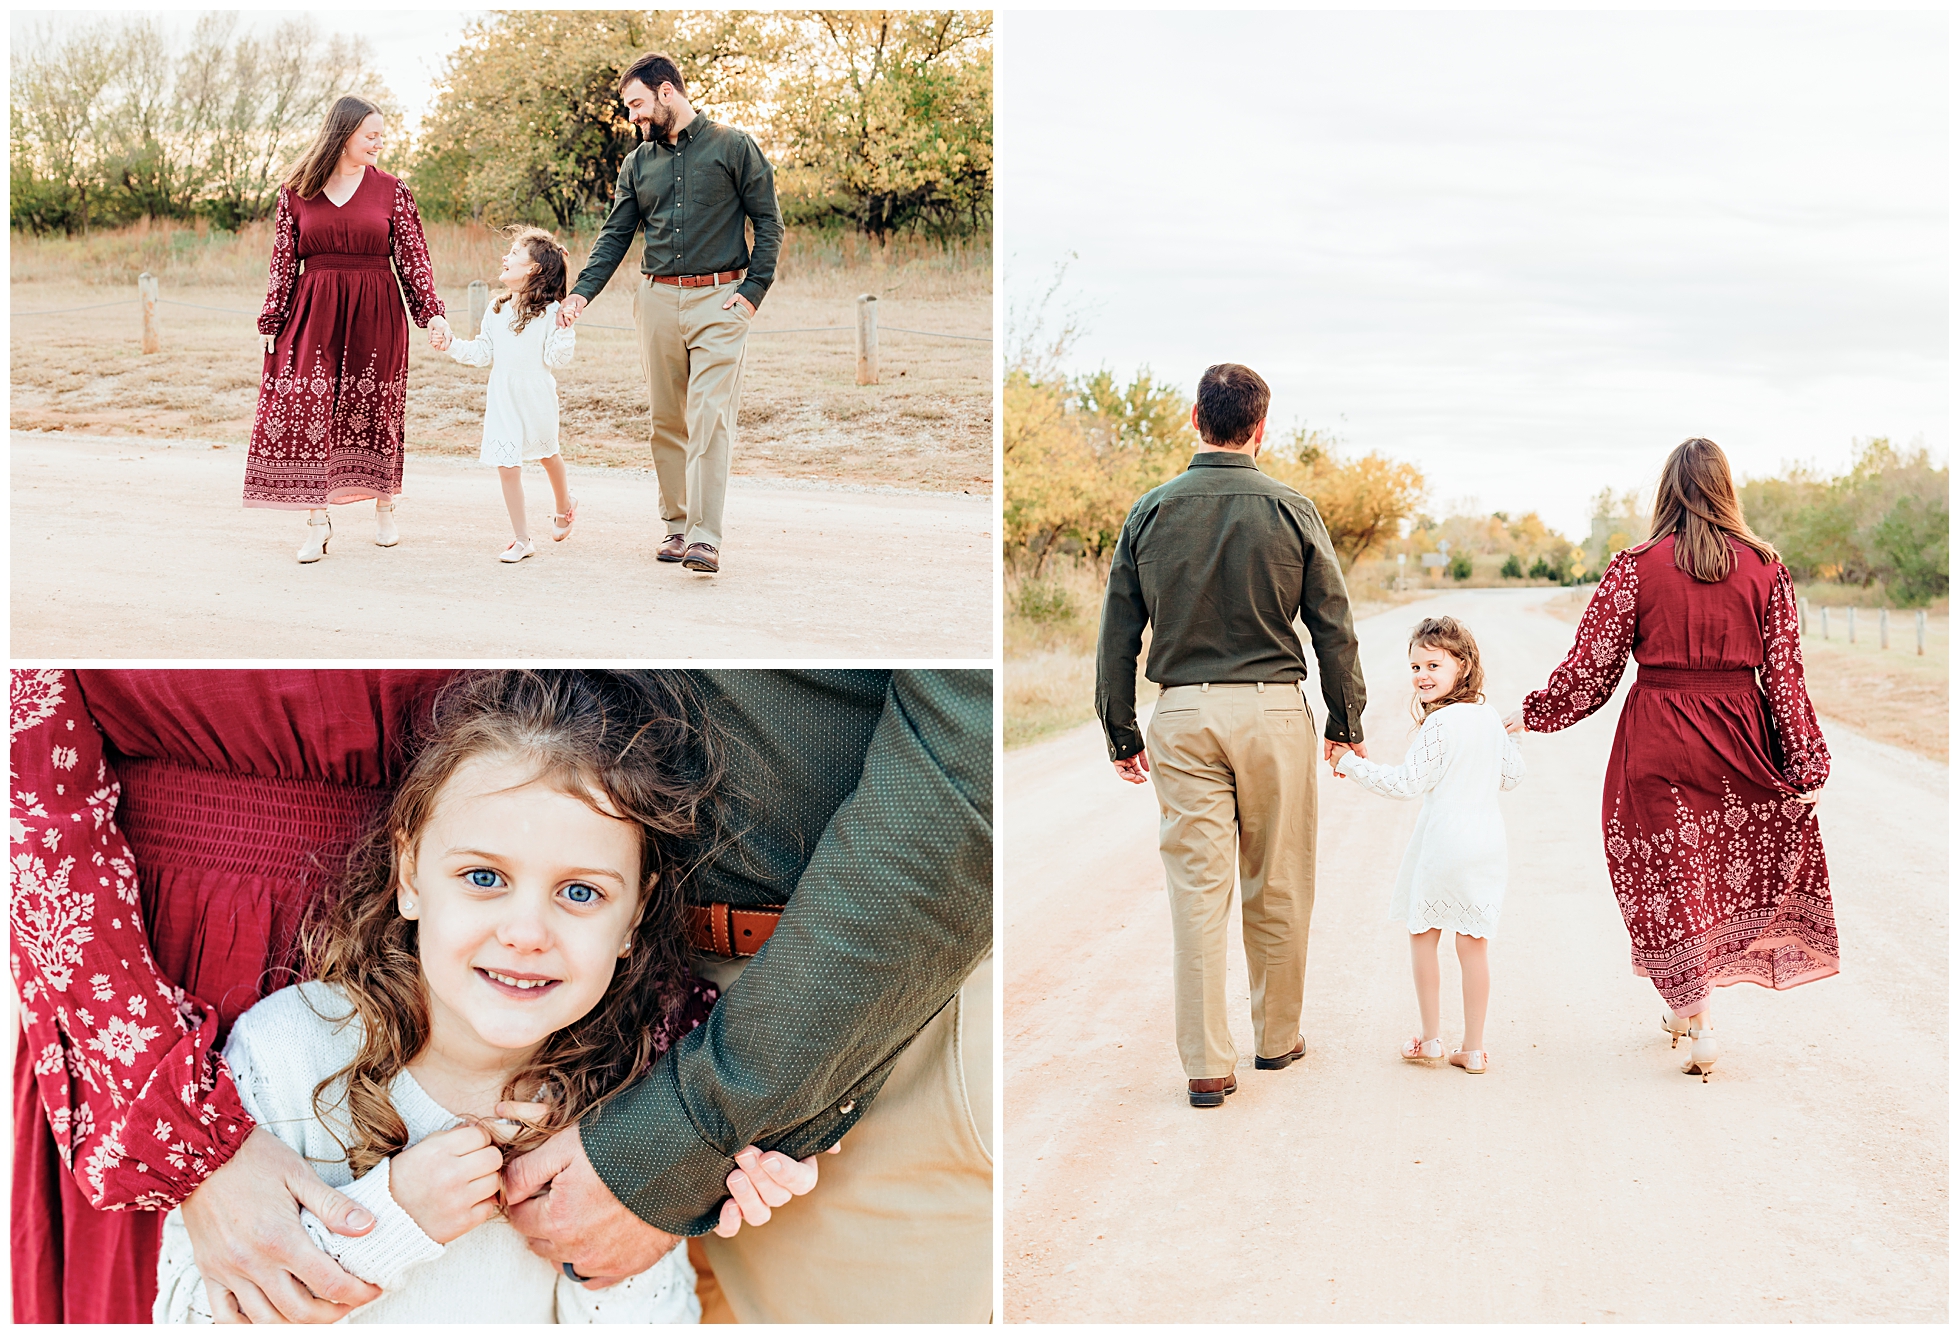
x=1079, y=451
x=877, y=121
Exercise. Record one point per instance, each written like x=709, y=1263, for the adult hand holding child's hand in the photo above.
x=449, y=1182
x=569, y=310
x=1515, y=722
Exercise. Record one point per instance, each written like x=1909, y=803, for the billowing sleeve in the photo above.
x=413, y=267
x=284, y=275
x=559, y=344
x=1805, y=757
x=1513, y=763
x=478, y=351
x=1417, y=773
x=140, y=1101
x=1584, y=681
x=892, y=911
x=755, y=179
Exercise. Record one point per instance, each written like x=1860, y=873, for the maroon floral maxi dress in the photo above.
x=330, y=404
x=1718, y=869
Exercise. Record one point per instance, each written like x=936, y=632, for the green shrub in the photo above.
x=1514, y=568
x=1461, y=567
x=1045, y=600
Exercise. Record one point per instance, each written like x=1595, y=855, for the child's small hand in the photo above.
x=1515, y=722
x=449, y=1182
x=761, y=1183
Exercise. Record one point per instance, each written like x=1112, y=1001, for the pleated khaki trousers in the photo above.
x=1235, y=772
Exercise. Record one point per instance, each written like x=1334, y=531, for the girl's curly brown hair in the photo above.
x=628, y=741
x=1452, y=637
x=548, y=284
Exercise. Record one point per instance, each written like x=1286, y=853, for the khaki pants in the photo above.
x=690, y=351
x=900, y=1225
x=1234, y=768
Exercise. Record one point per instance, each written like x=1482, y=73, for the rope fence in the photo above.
x=866, y=326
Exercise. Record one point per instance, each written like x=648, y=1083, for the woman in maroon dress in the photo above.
x=335, y=382
x=1709, y=815
x=213, y=804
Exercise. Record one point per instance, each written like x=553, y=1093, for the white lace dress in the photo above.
x=520, y=419
x=1457, y=863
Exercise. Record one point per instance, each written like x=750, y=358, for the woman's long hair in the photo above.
x=547, y=284
x=1697, y=506
x=1452, y=637
x=308, y=176
x=628, y=741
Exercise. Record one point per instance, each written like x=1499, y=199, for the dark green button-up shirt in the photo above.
x=864, y=801
x=692, y=197
x=1220, y=560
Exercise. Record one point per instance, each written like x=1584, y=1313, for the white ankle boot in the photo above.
x=385, y=534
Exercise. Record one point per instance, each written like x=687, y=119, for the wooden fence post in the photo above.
x=1802, y=616
x=1853, y=625
x=1826, y=621
x=479, y=306
x=146, y=289
x=1884, y=627
x=867, y=339
x=1921, y=634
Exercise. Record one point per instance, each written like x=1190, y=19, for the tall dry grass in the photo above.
x=185, y=255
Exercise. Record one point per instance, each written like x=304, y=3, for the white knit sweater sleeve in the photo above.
x=662, y=1295
x=277, y=1057
x=1417, y=774
x=1513, y=762
x=477, y=351
x=559, y=344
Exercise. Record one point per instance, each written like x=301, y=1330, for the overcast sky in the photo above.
x=1529, y=252
x=409, y=46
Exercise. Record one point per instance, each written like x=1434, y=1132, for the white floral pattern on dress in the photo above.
x=105, y=1083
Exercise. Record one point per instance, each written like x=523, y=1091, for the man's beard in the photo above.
x=657, y=123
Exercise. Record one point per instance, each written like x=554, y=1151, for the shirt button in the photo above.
x=847, y=1107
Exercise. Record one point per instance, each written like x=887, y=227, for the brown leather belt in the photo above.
x=733, y=933
x=703, y=279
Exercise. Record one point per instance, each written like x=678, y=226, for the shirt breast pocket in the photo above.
x=711, y=185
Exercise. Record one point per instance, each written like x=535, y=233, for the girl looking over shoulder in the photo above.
x=1453, y=873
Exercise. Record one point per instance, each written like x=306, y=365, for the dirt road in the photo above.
x=124, y=548
x=1583, y=1179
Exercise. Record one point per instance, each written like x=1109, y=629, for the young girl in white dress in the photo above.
x=1452, y=876
x=520, y=342
x=505, y=953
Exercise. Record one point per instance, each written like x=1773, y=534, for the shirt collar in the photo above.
x=1221, y=458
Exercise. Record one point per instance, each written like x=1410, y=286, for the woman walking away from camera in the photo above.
x=1453, y=875
x=1709, y=806
x=520, y=345
x=335, y=381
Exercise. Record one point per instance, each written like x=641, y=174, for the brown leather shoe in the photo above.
x=1211, y=1092
x=1280, y=1062
x=672, y=549
x=702, y=557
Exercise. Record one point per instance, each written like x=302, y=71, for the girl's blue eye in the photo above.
x=580, y=893
x=483, y=879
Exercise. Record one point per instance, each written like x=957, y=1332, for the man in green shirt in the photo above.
x=694, y=187
x=863, y=843
x=1220, y=561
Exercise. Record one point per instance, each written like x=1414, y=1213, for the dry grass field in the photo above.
x=1891, y=695
x=928, y=425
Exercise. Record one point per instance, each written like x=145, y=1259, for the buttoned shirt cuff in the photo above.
x=752, y=291
x=1124, y=742
x=652, y=1157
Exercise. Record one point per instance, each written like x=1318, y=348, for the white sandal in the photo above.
x=516, y=551
x=1470, y=1062
x=1703, y=1054
x=316, y=541
x=561, y=523
x=1422, y=1049
x=385, y=532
